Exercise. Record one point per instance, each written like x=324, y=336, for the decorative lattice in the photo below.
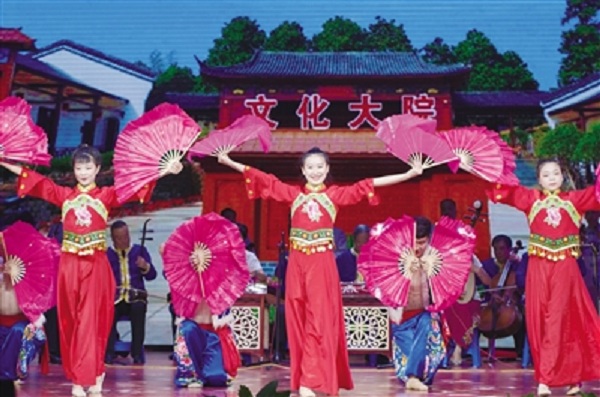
x=247, y=327
x=367, y=327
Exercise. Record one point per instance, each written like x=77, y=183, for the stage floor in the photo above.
x=156, y=379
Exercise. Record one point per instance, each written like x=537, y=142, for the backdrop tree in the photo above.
x=239, y=40
x=289, y=36
x=580, y=45
x=340, y=34
x=384, y=35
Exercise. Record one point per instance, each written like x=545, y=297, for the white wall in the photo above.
x=105, y=78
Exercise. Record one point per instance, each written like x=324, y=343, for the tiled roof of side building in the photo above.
x=14, y=36
x=573, y=88
x=496, y=99
x=68, y=44
x=33, y=65
x=334, y=65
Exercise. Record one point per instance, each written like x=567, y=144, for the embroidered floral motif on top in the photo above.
x=553, y=216
x=84, y=216
x=311, y=208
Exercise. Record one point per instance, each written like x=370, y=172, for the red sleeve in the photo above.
x=262, y=185
x=585, y=199
x=516, y=196
x=143, y=196
x=30, y=183
x=353, y=194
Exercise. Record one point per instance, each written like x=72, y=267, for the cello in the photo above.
x=501, y=316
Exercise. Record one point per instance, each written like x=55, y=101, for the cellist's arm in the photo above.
x=477, y=268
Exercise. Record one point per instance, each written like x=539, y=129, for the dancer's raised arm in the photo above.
x=226, y=160
x=397, y=178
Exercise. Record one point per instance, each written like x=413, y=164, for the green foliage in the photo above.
x=340, y=34
x=522, y=136
x=584, y=11
x=385, y=35
x=512, y=73
x=438, y=52
x=289, y=36
x=588, y=147
x=476, y=49
x=239, y=40
x=559, y=142
x=490, y=70
x=539, y=134
x=581, y=48
x=580, y=45
x=175, y=79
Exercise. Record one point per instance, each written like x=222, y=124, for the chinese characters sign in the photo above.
x=312, y=107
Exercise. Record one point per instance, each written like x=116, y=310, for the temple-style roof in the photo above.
x=13, y=37
x=96, y=55
x=372, y=65
x=587, y=85
x=498, y=99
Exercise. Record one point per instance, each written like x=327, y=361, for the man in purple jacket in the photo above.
x=131, y=265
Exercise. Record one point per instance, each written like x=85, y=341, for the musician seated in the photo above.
x=502, y=270
x=131, y=265
x=20, y=340
x=205, y=351
x=418, y=346
x=254, y=266
x=346, y=260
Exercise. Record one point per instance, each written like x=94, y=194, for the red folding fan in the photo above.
x=416, y=146
x=381, y=264
x=149, y=145
x=398, y=124
x=32, y=262
x=448, y=261
x=384, y=261
x=21, y=140
x=205, y=259
x=508, y=176
x=241, y=130
x=482, y=153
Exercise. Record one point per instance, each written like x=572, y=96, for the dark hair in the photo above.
x=117, y=225
x=26, y=217
x=423, y=226
x=447, y=206
x=230, y=211
x=310, y=152
x=543, y=162
x=86, y=154
x=502, y=237
x=243, y=230
x=360, y=229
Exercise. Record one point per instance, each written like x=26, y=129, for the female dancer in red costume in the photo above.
x=86, y=285
x=562, y=323
x=313, y=304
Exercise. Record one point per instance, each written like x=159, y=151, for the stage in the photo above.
x=156, y=379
